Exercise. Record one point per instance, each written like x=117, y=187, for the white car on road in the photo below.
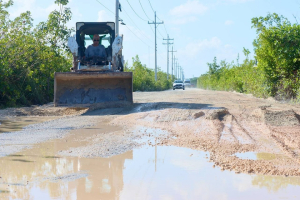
x=187, y=83
x=178, y=84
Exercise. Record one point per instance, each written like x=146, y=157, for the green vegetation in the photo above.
x=30, y=55
x=144, y=78
x=277, y=50
x=244, y=78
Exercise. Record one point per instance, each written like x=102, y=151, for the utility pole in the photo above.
x=155, y=25
x=168, y=43
x=181, y=73
x=172, y=61
x=175, y=67
x=178, y=71
x=117, y=17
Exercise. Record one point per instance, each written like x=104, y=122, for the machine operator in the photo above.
x=95, y=49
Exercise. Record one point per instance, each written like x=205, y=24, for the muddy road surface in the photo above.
x=192, y=144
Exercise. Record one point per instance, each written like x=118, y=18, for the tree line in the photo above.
x=144, y=78
x=274, y=71
x=29, y=55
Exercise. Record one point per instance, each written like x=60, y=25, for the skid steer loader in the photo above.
x=95, y=81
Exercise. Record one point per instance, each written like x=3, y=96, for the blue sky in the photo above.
x=201, y=29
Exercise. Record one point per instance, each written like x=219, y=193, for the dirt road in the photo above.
x=236, y=133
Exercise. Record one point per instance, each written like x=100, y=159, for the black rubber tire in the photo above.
x=121, y=67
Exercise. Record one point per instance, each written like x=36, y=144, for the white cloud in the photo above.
x=192, y=49
x=229, y=22
x=21, y=6
x=198, y=52
x=237, y=1
x=37, y=12
x=189, y=8
x=201, y=50
x=187, y=12
x=104, y=17
x=184, y=20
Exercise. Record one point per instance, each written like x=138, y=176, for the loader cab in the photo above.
x=85, y=32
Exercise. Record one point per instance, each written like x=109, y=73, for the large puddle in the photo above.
x=146, y=173
x=151, y=172
x=17, y=123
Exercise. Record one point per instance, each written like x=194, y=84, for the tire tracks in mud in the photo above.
x=276, y=136
x=222, y=134
x=219, y=127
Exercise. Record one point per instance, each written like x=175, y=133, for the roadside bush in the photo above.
x=277, y=50
x=144, y=78
x=29, y=55
x=244, y=78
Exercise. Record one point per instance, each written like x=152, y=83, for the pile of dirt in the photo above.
x=216, y=114
x=276, y=117
x=44, y=110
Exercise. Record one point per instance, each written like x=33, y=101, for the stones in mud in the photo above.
x=281, y=118
x=216, y=114
x=198, y=114
x=276, y=117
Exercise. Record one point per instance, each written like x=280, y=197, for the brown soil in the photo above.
x=224, y=124
x=43, y=110
x=221, y=123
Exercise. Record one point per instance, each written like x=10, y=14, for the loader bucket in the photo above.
x=93, y=89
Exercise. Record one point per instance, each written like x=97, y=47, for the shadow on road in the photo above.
x=145, y=107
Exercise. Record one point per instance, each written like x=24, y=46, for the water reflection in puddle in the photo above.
x=17, y=123
x=257, y=156
x=246, y=155
x=150, y=134
x=146, y=173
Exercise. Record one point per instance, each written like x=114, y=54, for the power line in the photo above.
x=135, y=24
x=164, y=26
x=137, y=36
x=151, y=6
x=125, y=26
x=165, y=29
x=144, y=10
x=151, y=28
x=135, y=12
x=156, y=16
x=106, y=7
x=159, y=19
x=160, y=33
